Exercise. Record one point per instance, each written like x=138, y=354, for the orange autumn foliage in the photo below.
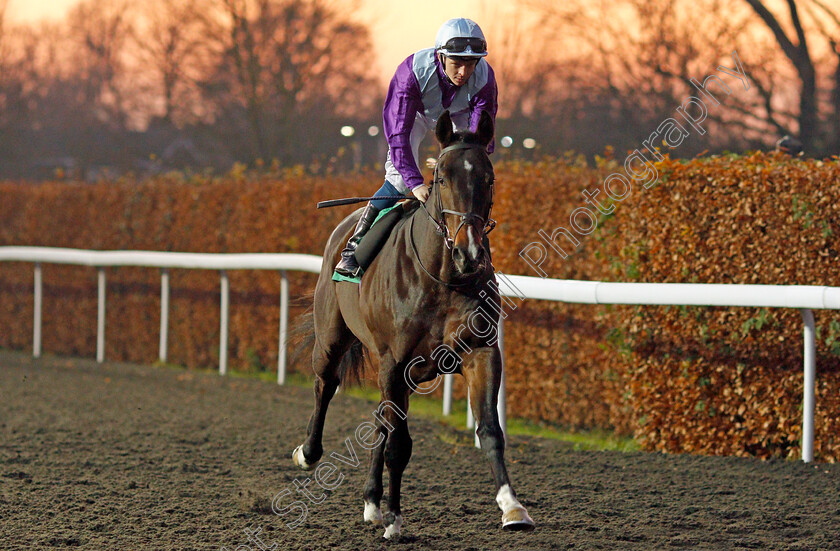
x=682, y=379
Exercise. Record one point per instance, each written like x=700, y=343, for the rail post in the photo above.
x=284, y=327
x=100, y=316
x=37, y=306
x=808, y=387
x=470, y=419
x=447, y=393
x=164, y=314
x=501, y=406
x=223, y=323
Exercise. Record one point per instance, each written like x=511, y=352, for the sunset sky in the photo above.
x=398, y=28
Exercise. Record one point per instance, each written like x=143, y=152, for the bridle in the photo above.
x=441, y=228
x=466, y=217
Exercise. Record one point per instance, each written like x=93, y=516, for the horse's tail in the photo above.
x=352, y=364
x=302, y=338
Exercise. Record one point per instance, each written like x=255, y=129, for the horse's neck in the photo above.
x=431, y=246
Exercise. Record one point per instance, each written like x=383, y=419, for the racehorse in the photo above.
x=417, y=301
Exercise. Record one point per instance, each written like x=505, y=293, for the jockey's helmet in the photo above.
x=461, y=37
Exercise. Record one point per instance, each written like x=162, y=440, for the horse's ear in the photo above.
x=443, y=130
x=485, y=128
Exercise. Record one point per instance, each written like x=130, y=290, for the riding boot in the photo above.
x=348, y=266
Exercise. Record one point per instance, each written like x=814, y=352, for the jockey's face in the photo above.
x=458, y=69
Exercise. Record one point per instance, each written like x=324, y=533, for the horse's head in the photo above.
x=463, y=191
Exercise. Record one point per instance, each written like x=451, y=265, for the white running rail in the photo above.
x=802, y=297
x=166, y=261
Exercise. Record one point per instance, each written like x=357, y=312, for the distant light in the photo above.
x=507, y=141
x=347, y=131
x=373, y=131
x=529, y=143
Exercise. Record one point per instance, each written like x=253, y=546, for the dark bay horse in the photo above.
x=430, y=294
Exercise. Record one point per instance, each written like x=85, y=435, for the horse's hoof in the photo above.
x=517, y=520
x=392, y=531
x=300, y=460
x=372, y=513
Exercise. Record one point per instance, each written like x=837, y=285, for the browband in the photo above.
x=459, y=145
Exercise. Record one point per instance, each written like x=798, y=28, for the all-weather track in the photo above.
x=120, y=456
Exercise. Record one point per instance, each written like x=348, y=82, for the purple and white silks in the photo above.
x=419, y=93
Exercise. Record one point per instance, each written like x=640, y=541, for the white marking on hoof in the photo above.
x=300, y=460
x=372, y=513
x=393, y=530
x=506, y=499
x=514, y=515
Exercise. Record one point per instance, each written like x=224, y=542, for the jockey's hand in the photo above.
x=421, y=192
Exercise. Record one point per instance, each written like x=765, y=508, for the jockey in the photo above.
x=452, y=76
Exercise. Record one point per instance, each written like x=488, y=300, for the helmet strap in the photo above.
x=443, y=66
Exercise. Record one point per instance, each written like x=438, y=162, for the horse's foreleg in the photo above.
x=397, y=453
x=393, y=413
x=483, y=371
x=373, y=487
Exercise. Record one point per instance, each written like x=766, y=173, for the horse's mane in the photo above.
x=410, y=207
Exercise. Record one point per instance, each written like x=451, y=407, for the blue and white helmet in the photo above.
x=461, y=37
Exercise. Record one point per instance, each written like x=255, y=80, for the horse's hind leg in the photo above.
x=391, y=448
x=330, y=346
x=373, y=488
x=307, y=455
x=483, y=371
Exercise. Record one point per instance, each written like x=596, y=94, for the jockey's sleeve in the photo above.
x=487, y=99
x=402, y=104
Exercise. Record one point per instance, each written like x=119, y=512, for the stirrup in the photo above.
x=348, y=267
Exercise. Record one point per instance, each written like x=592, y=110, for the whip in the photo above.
x=351, y=200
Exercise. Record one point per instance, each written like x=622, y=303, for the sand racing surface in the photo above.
x=119, y=456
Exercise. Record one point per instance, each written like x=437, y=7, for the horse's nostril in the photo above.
x=464, y=262
x=461, y=259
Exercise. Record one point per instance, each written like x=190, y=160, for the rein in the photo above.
x=440, y=225
x=420, y=262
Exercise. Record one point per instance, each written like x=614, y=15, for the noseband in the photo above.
x=466, y=217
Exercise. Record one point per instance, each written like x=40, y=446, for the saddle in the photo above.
x=377, y=235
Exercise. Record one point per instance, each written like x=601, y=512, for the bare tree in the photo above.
x=12, y=104
x=177, y=42
x=636, y=60
x=522, y=69
x=827, y=22
x=644, y=55
x=98, y=35
x=800, y=56
x=4, y=63
x=286, y=59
